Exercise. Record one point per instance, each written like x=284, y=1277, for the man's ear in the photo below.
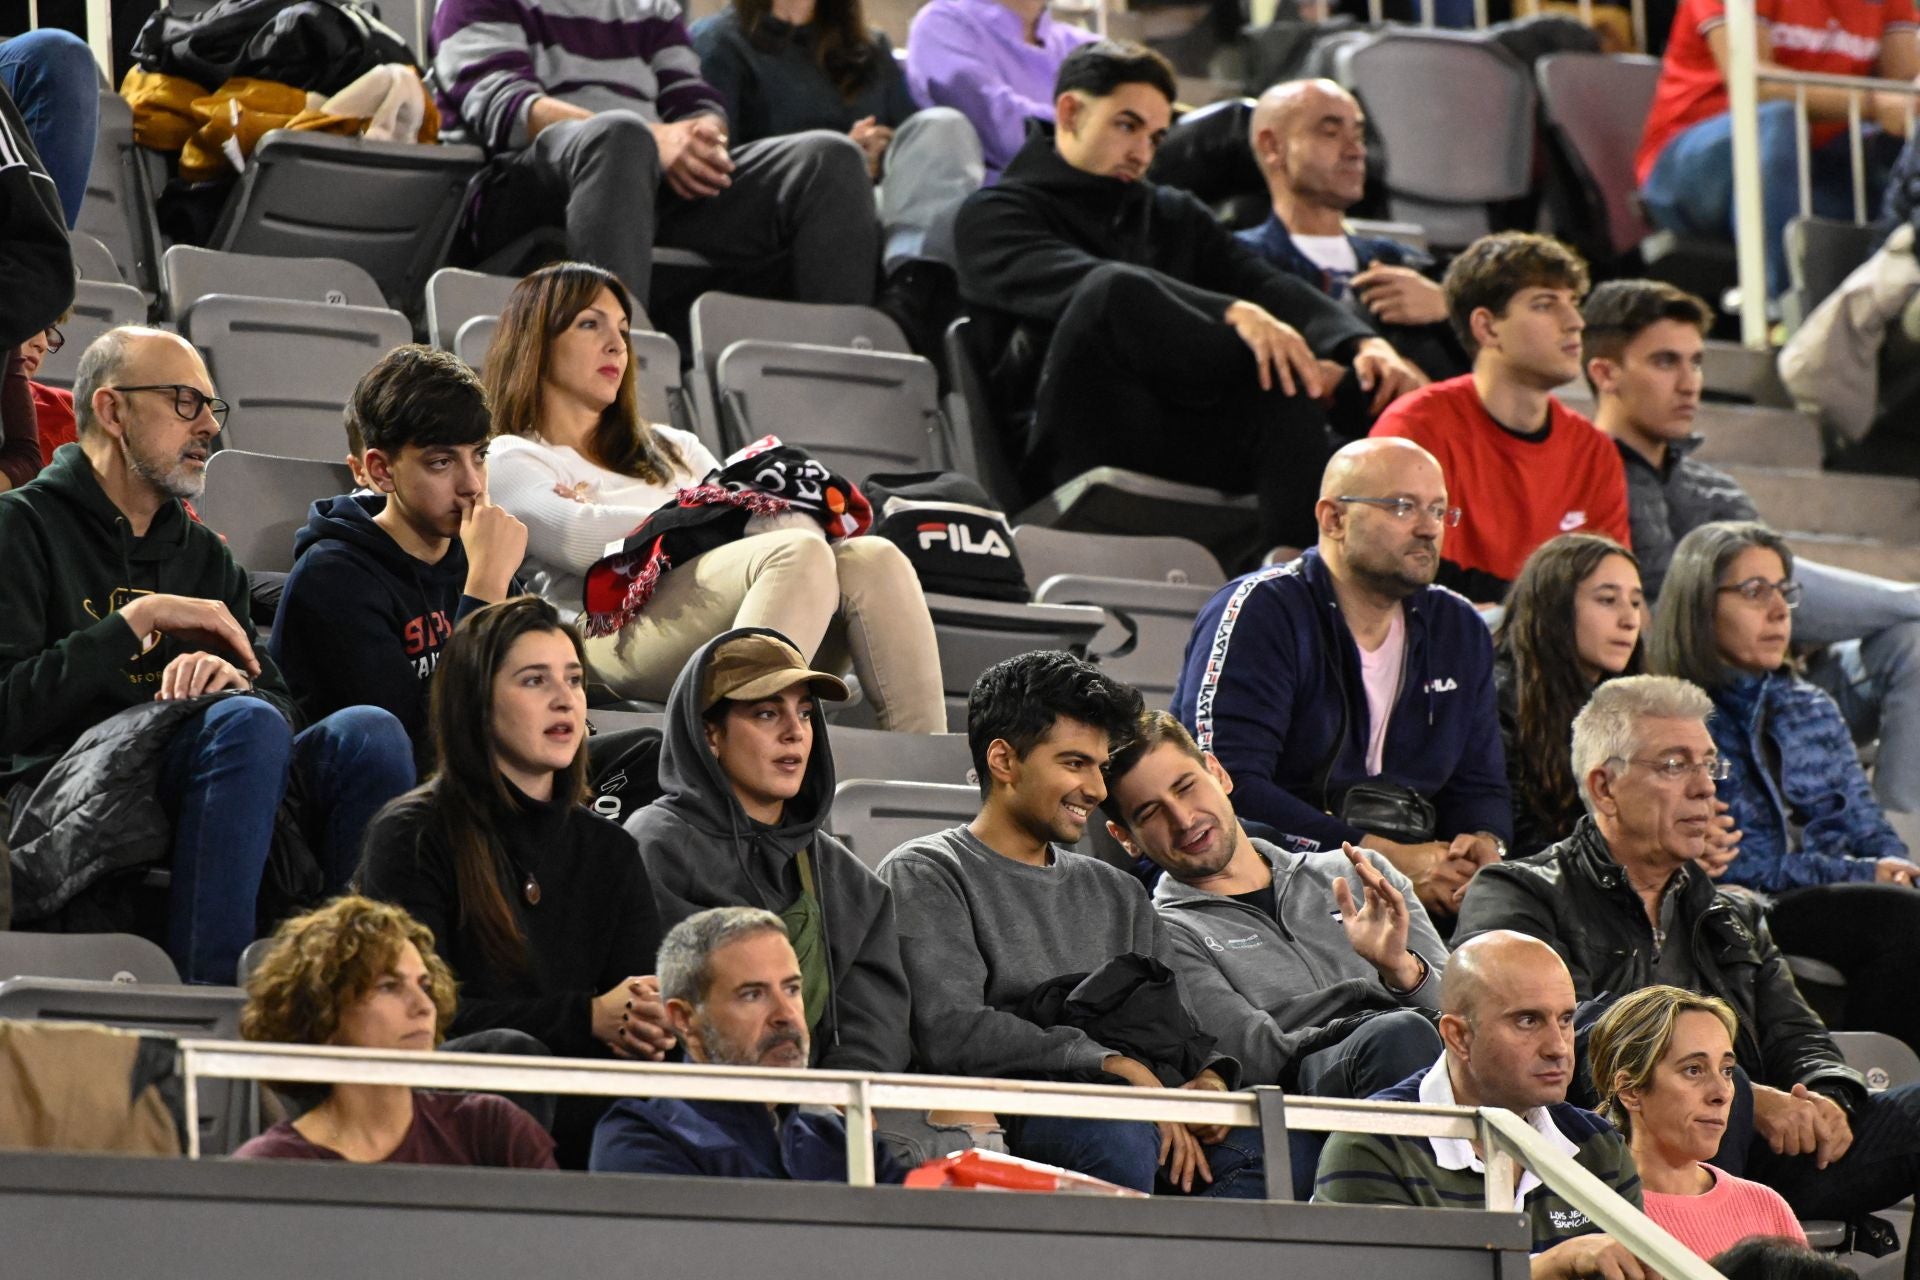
x=1219, y=772
x=1481, y=323
x=1604, y=373
x=1066, y=112
x=1267, y=151
x=378, y=468
x=680, y=1016
x=109, y=412
x=1600, y=786
x=1456, y=1035
x=1002, y=761
x=714, y=735
x=1122, y=837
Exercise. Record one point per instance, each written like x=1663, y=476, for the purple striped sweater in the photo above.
x=492, y=58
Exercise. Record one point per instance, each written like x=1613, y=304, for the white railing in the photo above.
x=1507, y=1141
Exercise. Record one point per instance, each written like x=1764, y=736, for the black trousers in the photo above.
x=1871, y=933
x=1137, y=377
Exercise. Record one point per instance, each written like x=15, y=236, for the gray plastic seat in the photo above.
x=873, y=818
x=1045, y=552
x=1821, y=253
x=1445, y=168
x=859, y=412
x=473, y=339
x=288, y=368
x=901, y=757
x=97, y=307
x=1886, y=1061
x=118, y=207
x=974, y=634
x=390, y=207
x=259, y=502
x=97, y=957
x=92, y=260
x=455, y=296
x=1145, y=639
x=1597, y=103
x=189, y=274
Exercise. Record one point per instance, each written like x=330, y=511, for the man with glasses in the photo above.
x=123, y=620
x=1623, y=903
x=1347, y=697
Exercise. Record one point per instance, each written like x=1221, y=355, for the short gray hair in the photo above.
x=1685, y=642
x=1608, y=727
x=683, y=965
x=100, y=366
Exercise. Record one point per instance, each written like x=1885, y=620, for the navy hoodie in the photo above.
x=1271, y=685
x=362, y=622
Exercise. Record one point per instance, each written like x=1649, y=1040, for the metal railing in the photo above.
x=1508, y=1142
x=1636, y=10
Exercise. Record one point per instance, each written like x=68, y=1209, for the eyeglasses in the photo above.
x=1674, y=768
x=1757, y=591
x=188, y=402
x=54, y=338
x=1402, y=509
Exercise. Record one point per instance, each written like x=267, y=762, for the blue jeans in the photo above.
x=223, y=778
x=1127, y=1152
x=50, y=76
x=1690, y=190
x=1386, y=1049
x=1872, y=666
x=1879, y=1170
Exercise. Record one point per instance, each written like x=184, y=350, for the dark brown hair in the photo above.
x=842, y=45
x=541, y=308
x=1619, y=310
x=1154, y=730
x=1493, y=268
x=417, y=395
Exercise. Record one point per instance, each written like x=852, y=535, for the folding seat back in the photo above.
x=259, y=502
x=1821, y=253
x=189, y=274
x=455, y=296
x=1045, y=552
x=473, y=339
x=118, y=207
x=718, y=320
x=1145, y=639
x=96, y=957
x=873, y=818
x=96, y=308
x=289, y=368
x=1886, y=1062
x=859, y=412
x=92, y=260
x=1596, y=104
x=878, y=754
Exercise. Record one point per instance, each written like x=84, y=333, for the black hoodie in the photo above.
x=36, y=258
x=701, y=850
x=67, y=659
x=362, y=622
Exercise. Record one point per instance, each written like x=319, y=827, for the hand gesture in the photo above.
x=693, y=156
x=191, y=674
x=1801, y=1123
x=1723, y=842
x=1279, y=352
x=1377, y=932
x=631, y=1020
x=495, y=543
x=1386, y=373
x=202, y=624
x=874, y=139
x=1400, y=295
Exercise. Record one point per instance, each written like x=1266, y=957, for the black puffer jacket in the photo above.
x=1576, y=898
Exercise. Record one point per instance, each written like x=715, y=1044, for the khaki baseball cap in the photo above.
x=748, y=668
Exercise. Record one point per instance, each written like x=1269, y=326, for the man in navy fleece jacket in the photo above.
x=1348, y=664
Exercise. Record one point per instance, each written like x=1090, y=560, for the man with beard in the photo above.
x=1350, y=699
x=732, y=987
x=116, y=598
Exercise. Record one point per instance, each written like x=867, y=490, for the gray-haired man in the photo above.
x=732, y=989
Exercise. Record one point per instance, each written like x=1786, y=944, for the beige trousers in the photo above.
x=854, y=599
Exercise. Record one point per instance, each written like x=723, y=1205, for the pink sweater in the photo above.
x=1730, y=1211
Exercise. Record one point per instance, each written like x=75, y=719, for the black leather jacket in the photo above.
x=1575, y=897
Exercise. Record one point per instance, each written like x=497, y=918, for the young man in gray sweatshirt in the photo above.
x=990, y=911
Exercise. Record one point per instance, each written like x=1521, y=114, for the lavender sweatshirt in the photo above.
x=973, y=56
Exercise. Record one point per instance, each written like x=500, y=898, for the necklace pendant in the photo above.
x=531, y=890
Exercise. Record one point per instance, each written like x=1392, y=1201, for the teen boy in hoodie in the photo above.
x=379, y=582
x=747, y=778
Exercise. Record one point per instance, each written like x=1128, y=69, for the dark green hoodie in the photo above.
x=701, y=850
x=67, y=659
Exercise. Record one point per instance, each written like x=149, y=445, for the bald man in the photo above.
x=1309, y=138
x=122, y=621
x=1350, y=699
x=1507, y=1024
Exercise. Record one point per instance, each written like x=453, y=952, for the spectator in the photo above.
x=981, y=908
x=1524, y=466
x=1685, y=162
x=1572, y=620
x=575, y=460
x=363, y=975
x=116, y=598
x=993, y=61
x=787, y=66
x=748, y=779
x=52, y=406
x=1838, y=877
x=51, y=76
x=1663, y=1066
x=1644, y=345
x=735, y=996
x=37, y=263
x=1508, y=1029
x=544, y=908
x=1115, y=313
x=1622, y=903
x=1310, y=141
x=380, y=582
x=1348, y=698
x=603, y=122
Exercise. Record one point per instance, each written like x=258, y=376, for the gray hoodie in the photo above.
x=701, y=850
x=1261, y=987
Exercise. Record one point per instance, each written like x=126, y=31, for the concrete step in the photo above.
x=1732, y=370
x=1901, y=562
x=1765, y=437
x=1886, y=508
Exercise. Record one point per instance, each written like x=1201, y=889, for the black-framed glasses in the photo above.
x=188, y=402
x=54, y=338
x=1402, y=509
x=1674, y=768
x=1759, y=590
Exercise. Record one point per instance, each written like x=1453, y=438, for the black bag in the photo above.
x=321, y=46
x=959, y=542
x=1390, y=810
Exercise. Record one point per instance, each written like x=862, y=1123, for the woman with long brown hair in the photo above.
x=542, y=908
x=580, y=466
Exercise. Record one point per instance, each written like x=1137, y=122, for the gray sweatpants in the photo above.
x=933, y=163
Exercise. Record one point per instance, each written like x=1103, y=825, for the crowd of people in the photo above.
x=1508, y=780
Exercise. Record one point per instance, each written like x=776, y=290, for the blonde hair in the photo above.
x=1632, y=1037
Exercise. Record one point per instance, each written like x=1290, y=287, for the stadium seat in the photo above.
x=96, y=957
x=118, y=207
x=973, y=634
x=250, y=959
x=1821, y=253
x=92, y=260
x=288, y=368
x=875, y=818
x=455, y=296
x=259, y=502
x=1045, y=552
x=656, y=376
x=188, y=274
x=859, y=412
x=472, y=340
x=879, y=755
x=390, y=207
x=1448, y=170
x=96, y=308
x=1145, y=639
x=1886, y=1062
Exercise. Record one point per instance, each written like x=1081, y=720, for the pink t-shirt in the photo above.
x=1380, y=671
x=1732, y=1210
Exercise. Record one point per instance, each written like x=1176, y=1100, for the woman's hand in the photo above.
x=631, y=1020
x=874, y=139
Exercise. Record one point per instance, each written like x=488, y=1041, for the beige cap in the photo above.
x=748, y=668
